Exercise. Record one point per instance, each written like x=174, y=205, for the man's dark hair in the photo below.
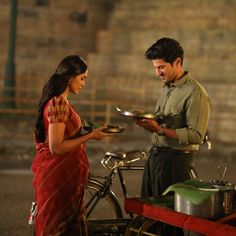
x=167, y=49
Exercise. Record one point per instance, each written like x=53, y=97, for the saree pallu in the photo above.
x=59, y=183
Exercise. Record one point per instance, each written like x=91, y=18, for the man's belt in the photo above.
x=167, y=149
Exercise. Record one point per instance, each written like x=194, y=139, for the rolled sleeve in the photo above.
x=182, y=136
x=197, y=117
x=188, y=136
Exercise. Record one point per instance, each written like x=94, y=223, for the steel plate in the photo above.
x=113, y=129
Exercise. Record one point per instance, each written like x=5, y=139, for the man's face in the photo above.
x=166, y=71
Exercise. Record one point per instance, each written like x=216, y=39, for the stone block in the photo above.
x=72, y=4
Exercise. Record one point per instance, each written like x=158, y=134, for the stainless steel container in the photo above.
x=218, y=205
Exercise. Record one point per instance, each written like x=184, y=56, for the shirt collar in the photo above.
x=180, y=81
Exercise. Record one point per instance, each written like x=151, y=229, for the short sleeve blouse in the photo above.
x=58, y=110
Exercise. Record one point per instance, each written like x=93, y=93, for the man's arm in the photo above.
x=153, y=126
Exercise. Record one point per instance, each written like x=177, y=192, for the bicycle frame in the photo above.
x=105, y=187
x=121, y=177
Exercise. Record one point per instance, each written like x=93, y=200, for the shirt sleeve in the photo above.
x=58, y=110
x=198, y=111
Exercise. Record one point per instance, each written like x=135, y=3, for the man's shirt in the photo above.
x=188, y=105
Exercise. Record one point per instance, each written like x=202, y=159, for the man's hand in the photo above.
x=148, y=124
x=152, y=126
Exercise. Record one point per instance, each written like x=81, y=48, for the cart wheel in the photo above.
x=141, y=226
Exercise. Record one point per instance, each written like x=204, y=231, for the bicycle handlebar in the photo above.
x=117, y=159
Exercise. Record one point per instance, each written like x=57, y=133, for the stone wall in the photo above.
x=46, y=33
x=207, y=31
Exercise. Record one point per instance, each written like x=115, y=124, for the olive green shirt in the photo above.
x=189, y=106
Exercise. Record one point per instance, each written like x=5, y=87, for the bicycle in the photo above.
x=99, y=194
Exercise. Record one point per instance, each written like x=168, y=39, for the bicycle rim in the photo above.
x=106, y=207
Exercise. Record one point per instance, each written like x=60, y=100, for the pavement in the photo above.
x=16, y=197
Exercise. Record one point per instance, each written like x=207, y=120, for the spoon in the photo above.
x=118, y=109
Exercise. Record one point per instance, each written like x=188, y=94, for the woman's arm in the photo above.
x=58, y=145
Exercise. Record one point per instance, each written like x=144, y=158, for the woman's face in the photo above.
x=77, y=83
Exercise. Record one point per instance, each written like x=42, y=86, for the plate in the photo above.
x=145, y=115
x=136, y=114
x=112, y=129
x=127, y=113
x=89, y=126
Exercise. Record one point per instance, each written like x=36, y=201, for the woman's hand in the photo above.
x=98, y=134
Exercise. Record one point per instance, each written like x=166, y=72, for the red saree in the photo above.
x=59, y=181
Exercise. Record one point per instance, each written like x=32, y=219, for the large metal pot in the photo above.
x=218, y=205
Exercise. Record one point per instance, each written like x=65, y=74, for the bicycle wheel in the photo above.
x=99, y=208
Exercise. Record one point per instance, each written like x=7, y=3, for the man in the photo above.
x=186, y=108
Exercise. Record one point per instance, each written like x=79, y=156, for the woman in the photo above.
x=61, y=167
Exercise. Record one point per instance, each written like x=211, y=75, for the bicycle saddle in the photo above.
x=116, y=155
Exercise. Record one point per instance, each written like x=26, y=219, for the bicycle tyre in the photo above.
x=107, y=207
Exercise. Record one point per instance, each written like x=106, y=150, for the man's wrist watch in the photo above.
x=161, y=132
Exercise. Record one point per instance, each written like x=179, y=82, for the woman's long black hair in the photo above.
x=69, y=67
